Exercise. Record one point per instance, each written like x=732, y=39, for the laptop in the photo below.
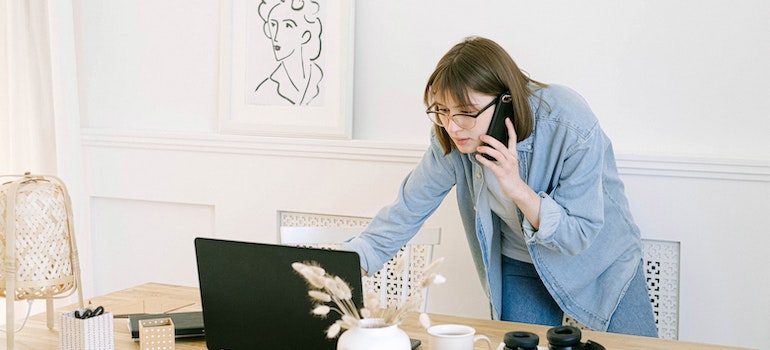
x=253, y=299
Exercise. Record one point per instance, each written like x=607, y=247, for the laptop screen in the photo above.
x=253, y=299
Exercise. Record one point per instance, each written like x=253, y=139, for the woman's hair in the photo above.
x=481, y=65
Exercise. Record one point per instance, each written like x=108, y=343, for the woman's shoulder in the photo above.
x=562, y=105
x=562, y=96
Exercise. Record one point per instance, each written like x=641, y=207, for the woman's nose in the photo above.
x=453, y=126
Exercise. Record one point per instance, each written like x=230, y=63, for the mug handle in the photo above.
x=484, y=338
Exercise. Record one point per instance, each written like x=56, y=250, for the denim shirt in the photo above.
x=587, y=248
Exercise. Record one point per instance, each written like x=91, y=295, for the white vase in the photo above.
x=374, y=334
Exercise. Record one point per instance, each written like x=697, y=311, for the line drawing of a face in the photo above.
x=286, y=30
x=294, y=30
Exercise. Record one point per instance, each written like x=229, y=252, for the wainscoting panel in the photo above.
x=137, y=241
x=161, y=189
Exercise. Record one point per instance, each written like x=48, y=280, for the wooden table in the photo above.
x=37, y=336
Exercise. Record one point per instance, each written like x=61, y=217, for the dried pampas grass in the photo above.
x=331, y=293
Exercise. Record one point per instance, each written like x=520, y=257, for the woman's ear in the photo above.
x=306, y=36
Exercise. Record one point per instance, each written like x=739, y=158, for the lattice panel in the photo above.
x=320, y=220
x=395, y=280
x=661, y=269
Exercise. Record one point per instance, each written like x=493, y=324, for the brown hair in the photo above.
x=481, y=65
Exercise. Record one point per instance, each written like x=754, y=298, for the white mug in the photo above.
x=454, y=337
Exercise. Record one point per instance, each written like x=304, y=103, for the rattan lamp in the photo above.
x=37, y=243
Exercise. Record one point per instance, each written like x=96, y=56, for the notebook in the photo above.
x=253, y=299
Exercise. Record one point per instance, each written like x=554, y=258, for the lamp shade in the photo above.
x=38, y=218
x=37, y=241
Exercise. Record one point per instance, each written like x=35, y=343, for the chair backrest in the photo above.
x=661, y=267
x=661, y=270
x=398, y=279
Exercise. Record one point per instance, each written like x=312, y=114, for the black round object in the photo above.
x=521, y=341
x=590, y=345
x=564, y=338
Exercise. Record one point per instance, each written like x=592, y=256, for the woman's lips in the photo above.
x=462, y=142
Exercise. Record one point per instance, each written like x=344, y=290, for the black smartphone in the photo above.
x=497, y=128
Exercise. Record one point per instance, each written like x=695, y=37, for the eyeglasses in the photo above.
x=439, y=116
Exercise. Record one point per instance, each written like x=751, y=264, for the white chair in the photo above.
x=661, y=269
x=393, y=286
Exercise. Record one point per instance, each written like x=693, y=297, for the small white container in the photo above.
x=156, y=334
x=93, y=333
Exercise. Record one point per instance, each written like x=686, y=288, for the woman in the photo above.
x=547, y=220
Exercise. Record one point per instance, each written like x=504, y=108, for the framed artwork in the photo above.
x=286, y=68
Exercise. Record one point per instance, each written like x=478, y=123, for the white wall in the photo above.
x=679, y=73
x=688, y=74
x=661, y=77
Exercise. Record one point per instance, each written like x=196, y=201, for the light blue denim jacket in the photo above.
x=587, y=248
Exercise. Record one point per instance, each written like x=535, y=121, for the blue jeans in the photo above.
x=526, y=300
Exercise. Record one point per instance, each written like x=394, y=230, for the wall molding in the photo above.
x=255, y=145
x=694, y=167
x=382, y=151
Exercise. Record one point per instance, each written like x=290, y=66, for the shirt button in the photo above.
x=478, y=175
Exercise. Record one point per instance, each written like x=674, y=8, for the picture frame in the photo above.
x=263, y=87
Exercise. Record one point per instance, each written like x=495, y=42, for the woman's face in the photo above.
x=287, y=30
x=467, y=140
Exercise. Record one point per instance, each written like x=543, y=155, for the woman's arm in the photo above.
x=569, y=217
x=419, y=196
